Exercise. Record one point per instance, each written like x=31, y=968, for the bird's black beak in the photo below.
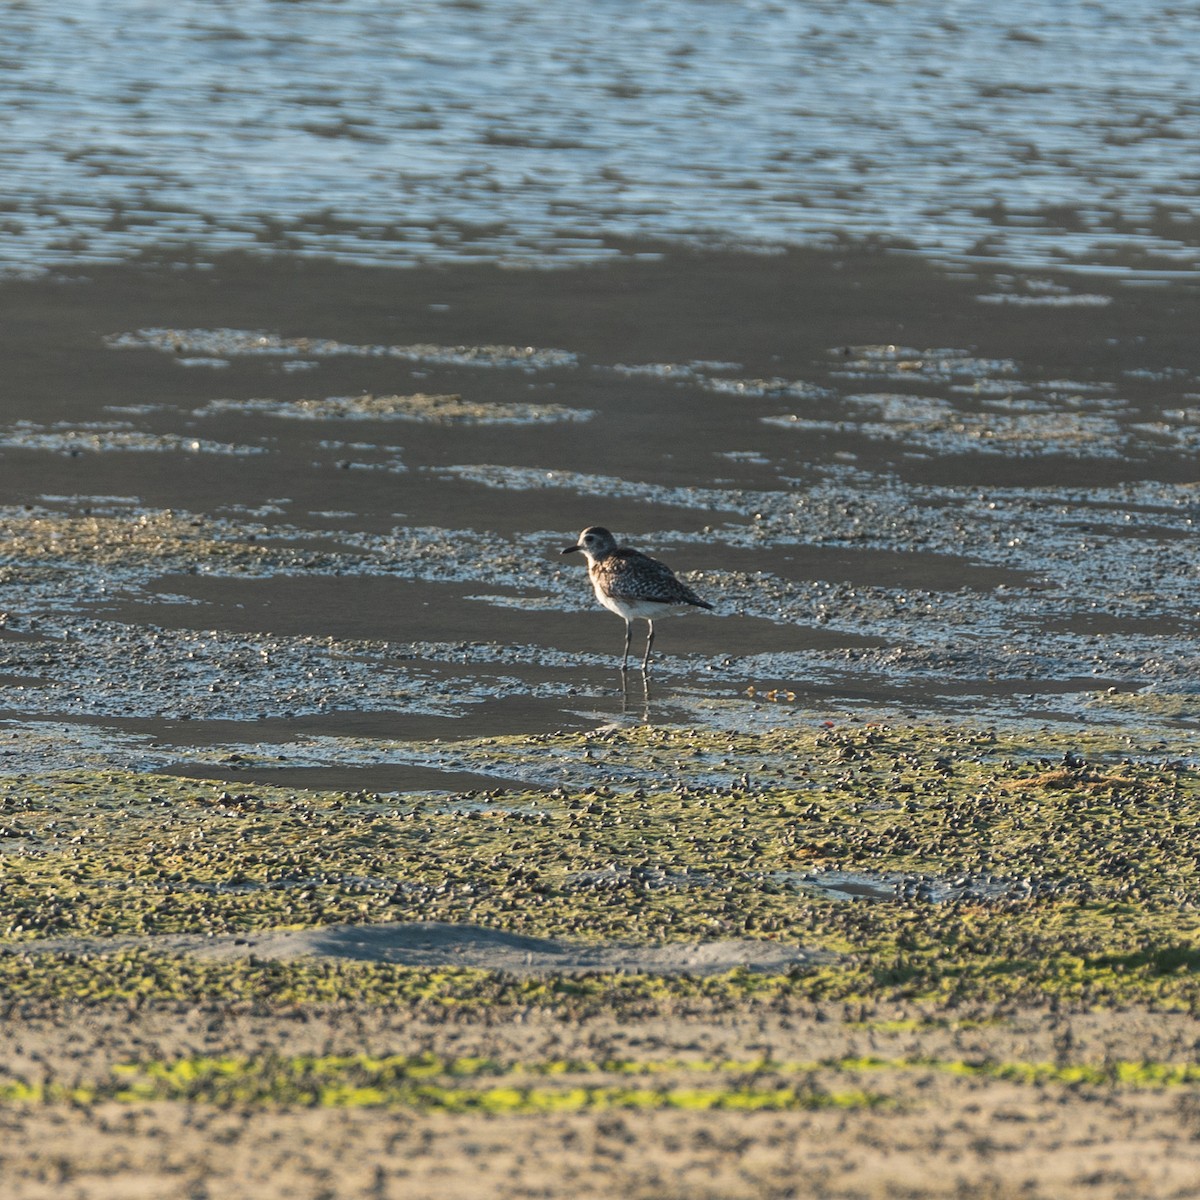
x=568, y=549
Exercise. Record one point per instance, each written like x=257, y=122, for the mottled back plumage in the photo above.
x=631, y=575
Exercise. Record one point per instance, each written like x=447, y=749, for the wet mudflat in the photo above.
x=246, y=516
x=313, y=739
x=336, y=856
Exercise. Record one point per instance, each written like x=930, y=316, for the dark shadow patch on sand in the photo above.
x=438, y=944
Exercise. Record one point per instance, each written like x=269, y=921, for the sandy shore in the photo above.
x=937, y=1134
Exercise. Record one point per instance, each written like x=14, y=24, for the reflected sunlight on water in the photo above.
x=523, y=131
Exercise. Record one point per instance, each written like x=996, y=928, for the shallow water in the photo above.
x=529, y=132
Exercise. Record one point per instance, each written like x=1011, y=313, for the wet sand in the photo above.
x=940, y=1135
x=892, y=491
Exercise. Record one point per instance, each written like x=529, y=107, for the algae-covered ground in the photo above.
x=990, y=866
x=995, y=925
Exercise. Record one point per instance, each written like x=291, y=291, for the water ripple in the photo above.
x=527, y=132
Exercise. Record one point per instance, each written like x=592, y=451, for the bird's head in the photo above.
x=595, y=542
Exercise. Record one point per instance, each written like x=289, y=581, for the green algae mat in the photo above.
x=428, y=1082
x=946, y=864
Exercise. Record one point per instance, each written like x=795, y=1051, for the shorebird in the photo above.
x=633, y=585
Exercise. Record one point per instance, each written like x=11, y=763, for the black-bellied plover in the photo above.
x=633, y=585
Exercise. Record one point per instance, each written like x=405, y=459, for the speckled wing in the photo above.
x=631, y=575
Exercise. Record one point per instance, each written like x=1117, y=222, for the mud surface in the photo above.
x=928, y=760
x=305, y=717
x=336, y=856
x=984, y=506
x=433, y=944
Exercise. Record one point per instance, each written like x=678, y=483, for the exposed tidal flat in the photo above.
x=676, y=978
x=1010, y=875
x=336, y=858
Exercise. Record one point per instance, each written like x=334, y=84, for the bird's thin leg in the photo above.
x=628, y=636
x=649, y=643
